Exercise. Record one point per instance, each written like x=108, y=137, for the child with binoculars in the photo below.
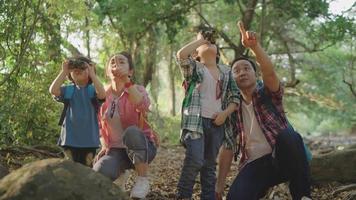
x=79, y=135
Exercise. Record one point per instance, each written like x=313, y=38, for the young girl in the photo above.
x=80, y=131
x=127, y=140
x=210, y=99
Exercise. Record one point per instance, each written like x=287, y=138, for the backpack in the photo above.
x=68, y=94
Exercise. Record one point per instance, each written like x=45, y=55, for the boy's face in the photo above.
x=244, y=74
x=80, y=76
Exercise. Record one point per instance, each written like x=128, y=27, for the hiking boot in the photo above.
x=141, y=188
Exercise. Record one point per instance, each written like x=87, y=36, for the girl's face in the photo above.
x=80, y=76
x=118, y=67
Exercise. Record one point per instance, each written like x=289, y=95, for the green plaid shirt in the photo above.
x=191, y=114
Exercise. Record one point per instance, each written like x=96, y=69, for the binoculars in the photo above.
x=209, y=35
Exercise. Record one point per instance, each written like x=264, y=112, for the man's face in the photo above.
x=244, y=74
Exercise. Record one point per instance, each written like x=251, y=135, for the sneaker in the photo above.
x=305, y=198
x=141, y=188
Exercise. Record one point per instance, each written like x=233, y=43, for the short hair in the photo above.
x=244, y=58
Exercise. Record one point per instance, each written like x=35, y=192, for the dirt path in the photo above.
x=165, y=171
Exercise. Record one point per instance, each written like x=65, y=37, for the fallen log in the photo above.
x=339, y=165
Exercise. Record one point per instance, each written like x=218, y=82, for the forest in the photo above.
x=311, y=44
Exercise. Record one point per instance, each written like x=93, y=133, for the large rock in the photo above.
x=57, y=179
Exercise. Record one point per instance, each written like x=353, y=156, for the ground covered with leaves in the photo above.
x=165, y=170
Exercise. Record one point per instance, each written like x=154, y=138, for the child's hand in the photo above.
x=65, y=67
x=91, y=68
x=220, y=118
x=200, y=36
x=248, y=38
x=103, y=151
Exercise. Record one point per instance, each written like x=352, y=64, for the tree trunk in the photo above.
x=247, y=17
x=87, y=36
x=335, y=166
x=150, y=57
x=172, y=80
x=87, y=28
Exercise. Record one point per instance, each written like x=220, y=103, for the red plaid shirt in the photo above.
x=270, y=122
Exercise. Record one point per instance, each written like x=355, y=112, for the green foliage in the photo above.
x=34, y=42
x=132, y=19
x=326, y=99
x=299, y=8
x=167, y=127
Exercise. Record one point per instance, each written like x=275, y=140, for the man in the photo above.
x=271, y=152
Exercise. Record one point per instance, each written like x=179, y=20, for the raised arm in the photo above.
x=269, y=76
x=99, y=88
x=55, y=88
x=190, y=48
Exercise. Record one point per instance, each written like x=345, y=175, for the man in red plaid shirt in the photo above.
x=271, y=151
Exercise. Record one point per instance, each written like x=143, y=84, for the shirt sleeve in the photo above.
x=277, y=97
x=235, y=92
x=187, y=67
x=230, y=140
x=60, y=98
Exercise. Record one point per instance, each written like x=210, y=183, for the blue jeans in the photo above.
x=139, y=150
x=200, y=156
x=289, y=164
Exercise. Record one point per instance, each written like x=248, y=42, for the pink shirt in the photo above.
x=118, y=113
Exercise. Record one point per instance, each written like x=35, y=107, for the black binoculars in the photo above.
x=209, y=35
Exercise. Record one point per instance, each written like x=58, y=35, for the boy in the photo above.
x=211, y=97
x=80, y=131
